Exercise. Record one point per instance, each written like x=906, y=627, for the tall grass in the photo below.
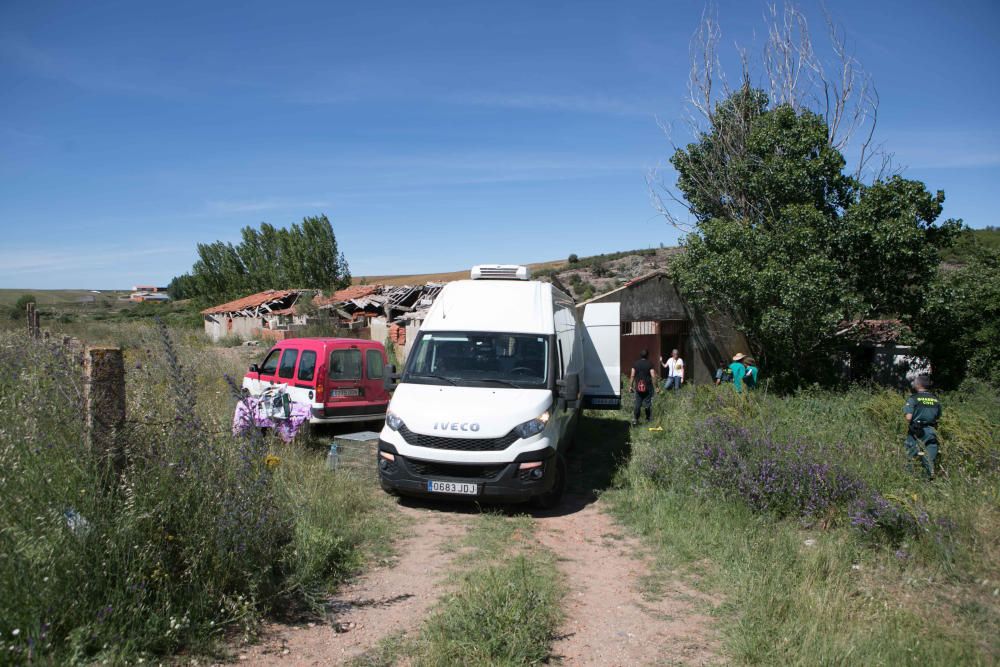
x=826, y=544
x=505, y=607
x=501, y=607
x=200, y=533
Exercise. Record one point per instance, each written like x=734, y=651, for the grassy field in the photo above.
x=63, y=297
x=199, y=536
x=802, y=513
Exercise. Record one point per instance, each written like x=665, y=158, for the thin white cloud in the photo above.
x=77, y=70
x=251, y=206
x=937, y=149
x=27, y=261
x=576, y=103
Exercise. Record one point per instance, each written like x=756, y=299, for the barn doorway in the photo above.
x=674, y=336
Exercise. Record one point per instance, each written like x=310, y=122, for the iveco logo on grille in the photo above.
x=456, y=426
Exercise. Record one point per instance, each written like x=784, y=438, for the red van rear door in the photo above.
x=343, y=374
x=374, y=382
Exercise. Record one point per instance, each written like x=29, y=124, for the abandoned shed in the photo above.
x=880, y=351
x=655, y=317
x=272, y=310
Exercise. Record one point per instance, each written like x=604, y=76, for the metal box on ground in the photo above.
x=353, y=452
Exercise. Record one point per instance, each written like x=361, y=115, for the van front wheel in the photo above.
x=550, y=499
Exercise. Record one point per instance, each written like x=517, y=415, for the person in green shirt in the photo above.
x=739, y=371
x=922, y=411
x=750, y=379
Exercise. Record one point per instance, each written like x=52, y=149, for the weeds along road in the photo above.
x=601, y=602
x=390, y=599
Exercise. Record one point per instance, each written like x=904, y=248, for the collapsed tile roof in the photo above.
x=257, y=304
x=346, y=294
x=395, y=302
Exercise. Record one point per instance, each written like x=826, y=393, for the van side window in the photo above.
x=287, y=367
x=345, y=364
x=307, y=365
x=562, y=362
x=270, y=363
x=376, y=366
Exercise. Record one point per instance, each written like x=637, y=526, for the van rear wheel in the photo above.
x=551, y=498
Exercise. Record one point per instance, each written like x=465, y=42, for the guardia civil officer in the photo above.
x=922, y=411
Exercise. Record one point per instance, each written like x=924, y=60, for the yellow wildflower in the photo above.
x=271, y=461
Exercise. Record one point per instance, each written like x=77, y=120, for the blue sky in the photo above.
x=433, y=136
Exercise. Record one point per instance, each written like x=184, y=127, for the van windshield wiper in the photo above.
x=504, y=382
x=436, y=377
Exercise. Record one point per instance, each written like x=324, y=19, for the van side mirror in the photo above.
x=390, y=380
x=254, y=368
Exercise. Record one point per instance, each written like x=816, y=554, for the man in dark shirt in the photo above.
x=922, y=412
x=643, y=380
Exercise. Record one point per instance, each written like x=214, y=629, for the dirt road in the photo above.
x=392, y=599
x=610, y=616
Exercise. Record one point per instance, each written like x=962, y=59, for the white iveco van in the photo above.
x=492, y=390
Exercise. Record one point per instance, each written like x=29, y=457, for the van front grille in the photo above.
x=455, y=470
x=459, y=444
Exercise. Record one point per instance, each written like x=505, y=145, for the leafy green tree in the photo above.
x=788, y=245
x=302, y=256
x=960, y=322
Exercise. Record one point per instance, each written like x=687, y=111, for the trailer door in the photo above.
x=601, y=356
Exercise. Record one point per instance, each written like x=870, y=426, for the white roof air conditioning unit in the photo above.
x=500, y=272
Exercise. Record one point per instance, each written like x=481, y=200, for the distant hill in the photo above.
x=584, y=277
x=957, y=255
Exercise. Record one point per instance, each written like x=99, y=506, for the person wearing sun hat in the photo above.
x=739, y=371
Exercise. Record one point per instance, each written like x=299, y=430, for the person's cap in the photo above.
x=739, y=356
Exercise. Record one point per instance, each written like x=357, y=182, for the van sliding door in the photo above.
x=602, y=356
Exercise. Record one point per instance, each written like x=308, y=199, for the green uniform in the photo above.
x=738, y=370
x=921, y=438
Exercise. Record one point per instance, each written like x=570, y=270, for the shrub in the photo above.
x=200, y=530
x=17, y=311
x=573, y=259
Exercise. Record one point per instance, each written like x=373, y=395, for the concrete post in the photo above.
x=104, y=401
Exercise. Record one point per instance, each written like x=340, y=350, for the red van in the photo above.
x=340, y=378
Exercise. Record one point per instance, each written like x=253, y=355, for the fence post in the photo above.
x=33, y=320
x=104, y=401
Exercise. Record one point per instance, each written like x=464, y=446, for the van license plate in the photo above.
x=344, y=392
x=462, y=488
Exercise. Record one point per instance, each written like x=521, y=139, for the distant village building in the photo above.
x=272, y=310
x=656, y=318
x=141, y=293
x=378, y=312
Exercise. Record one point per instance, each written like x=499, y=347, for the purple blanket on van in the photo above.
x=250, y=413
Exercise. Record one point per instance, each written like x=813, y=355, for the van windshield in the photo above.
x=479, y=359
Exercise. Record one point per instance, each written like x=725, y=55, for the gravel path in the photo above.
x=609, y=620
x=611, y=617
x=389, y=600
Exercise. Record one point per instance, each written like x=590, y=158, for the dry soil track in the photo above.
x=391, y=599
x=610, y=618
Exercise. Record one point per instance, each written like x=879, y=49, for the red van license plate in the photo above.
x=463, y=488
x=344, y=392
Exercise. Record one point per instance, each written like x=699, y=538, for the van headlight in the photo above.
x=532, y=426
x=393, y=422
